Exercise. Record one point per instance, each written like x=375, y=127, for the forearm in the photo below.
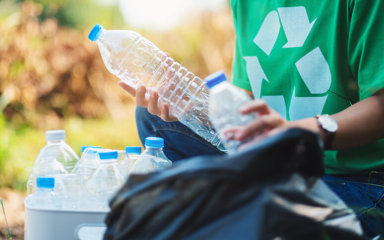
x=358, y=125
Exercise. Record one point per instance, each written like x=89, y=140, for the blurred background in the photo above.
x=52, y=76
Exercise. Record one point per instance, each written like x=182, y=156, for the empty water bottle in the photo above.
x=153, y=158
x=107, y=179
x=44, y=197
x=131, y=155
x=72, y=196
x=224, y=103
x=63, y=154
x=137, y=61
x=47, y=165
x=88, y=163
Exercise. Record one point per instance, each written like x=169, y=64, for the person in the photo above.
x=314, y=65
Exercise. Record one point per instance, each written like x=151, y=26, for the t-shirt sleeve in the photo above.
x=239, y=73
x=366, y=44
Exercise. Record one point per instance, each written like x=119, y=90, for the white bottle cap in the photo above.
x=55, y=135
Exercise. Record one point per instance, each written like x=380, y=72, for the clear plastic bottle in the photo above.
x=73, y=193
x=224, y=103
x=88, y=163
x=132, y=153
x=64, y=155
x=44, y=197
x=47, y=165
x=137, y=61
x=152, y=159
x=107, y=179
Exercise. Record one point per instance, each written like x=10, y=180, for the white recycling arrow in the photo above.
x=305, y=107
x=255, y=75
x=314, y=70
x=277, y=103
x=268, y=32
x=312, y=67
x=296, y=25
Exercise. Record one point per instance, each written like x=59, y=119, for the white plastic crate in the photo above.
x=49, y=224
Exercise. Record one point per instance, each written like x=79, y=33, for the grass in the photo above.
x=20, y=145
x=7, y=233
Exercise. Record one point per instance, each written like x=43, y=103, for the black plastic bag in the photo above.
x=271, y=191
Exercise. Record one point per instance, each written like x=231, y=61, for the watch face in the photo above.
x=328, y=123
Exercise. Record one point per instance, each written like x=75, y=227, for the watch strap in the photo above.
x=329, y=136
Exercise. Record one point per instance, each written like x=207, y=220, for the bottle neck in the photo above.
x=52, y=142
x=153, y=149
x=108, y=161
x=44, y=190
x=132, y=153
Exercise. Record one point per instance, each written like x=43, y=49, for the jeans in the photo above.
x=363, y=194
x=180, y=142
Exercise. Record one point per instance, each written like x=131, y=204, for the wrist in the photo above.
x=310, y=124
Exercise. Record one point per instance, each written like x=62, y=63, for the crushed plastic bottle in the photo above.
x=152, y=159
x=137, y=61
x=224, y=103
x=57, y=157
x=132, y=153
x=106, y=180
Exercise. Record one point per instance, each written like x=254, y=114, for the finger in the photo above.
x=275, y=131
x=258, y=105
x=229, y=134
x=253, y=141
x=165, y=115
x=153, y=106
x=128, y=88
x=259, y=125
x=140, y=97
x=248, y=144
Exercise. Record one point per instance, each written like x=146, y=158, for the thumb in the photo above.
x=131, y=90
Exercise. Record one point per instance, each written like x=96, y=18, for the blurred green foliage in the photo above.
x=79, y=13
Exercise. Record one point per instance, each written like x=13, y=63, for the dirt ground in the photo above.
x=14, y=209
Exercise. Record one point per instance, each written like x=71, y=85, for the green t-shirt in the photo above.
x=313, y=57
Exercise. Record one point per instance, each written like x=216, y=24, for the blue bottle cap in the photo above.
x=95, y=32
x=154, y=142
x=133, y=150
x=45, y=182
x=85, y=147
x=108, y=155
x=215, y=78
x=91, y=151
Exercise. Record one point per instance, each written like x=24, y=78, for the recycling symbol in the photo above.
x=312, y=67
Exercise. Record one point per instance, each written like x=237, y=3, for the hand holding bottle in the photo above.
x=268, y=123
x=149, y=101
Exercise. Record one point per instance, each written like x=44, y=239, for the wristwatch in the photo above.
x=329, y=127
